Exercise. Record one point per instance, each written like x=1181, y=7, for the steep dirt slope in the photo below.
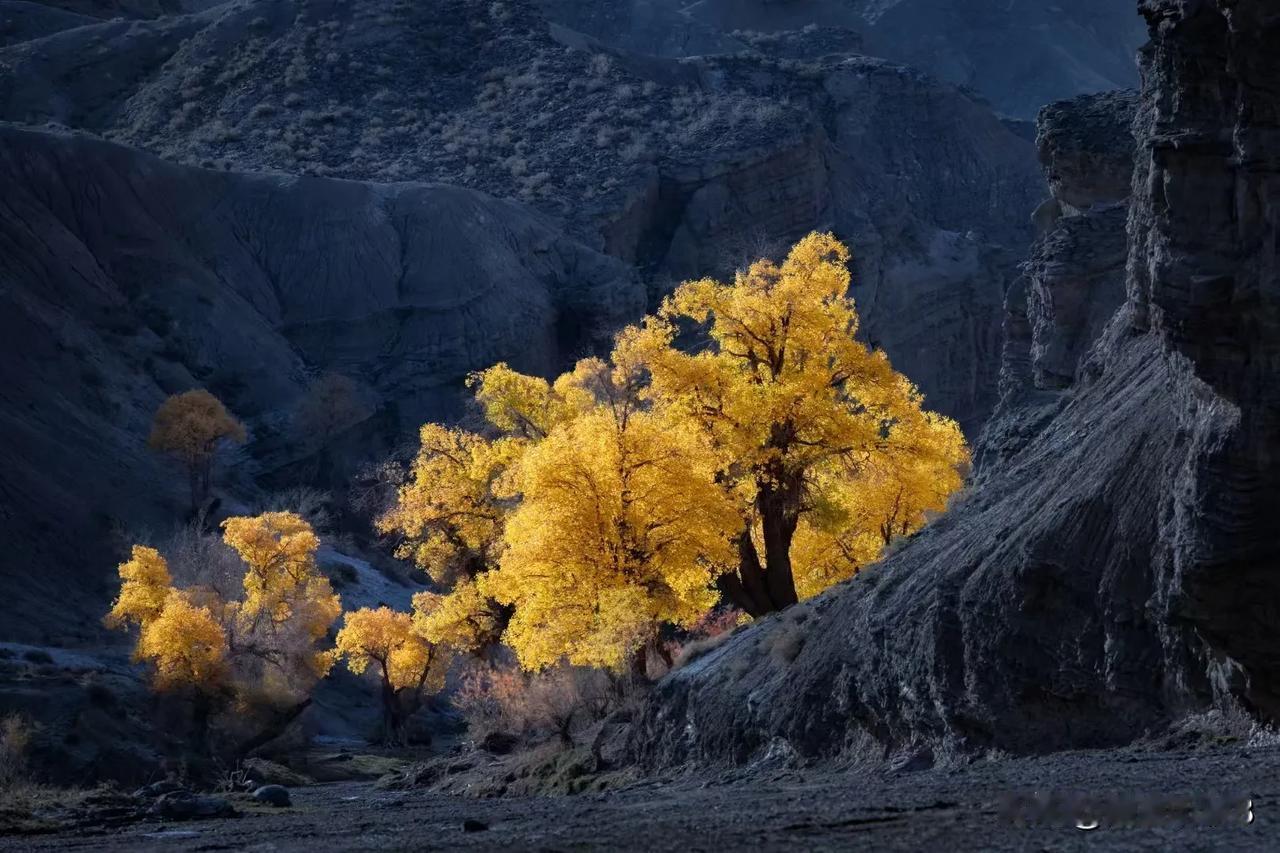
x=1119, y=569
x=126, y=278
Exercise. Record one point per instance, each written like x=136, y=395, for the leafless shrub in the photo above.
x=786, y=642
x=535, y=705
x=198, y=557
x=15, y=739
x=1228, y=722
x=599, y=65
x=710, y=632
x=311, y=503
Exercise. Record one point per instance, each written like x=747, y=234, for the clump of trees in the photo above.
x=736, y=452
x=223, y=651
x=742, y=444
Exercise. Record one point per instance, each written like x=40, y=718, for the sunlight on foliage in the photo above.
x=464, y=619
x=387, y=639
x=196, y=637
x=808, y=422
x=190, y=426
x=741, y=445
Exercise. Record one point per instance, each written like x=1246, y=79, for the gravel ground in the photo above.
x=968, y=808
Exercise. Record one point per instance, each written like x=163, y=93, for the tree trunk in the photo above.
x=751, y=578
x=274, y=728
x=640, y=663
x=663, y=653
x=390, y=711
x=762, y=589
x=193, y=482
x=201, y=710
x=778, y=519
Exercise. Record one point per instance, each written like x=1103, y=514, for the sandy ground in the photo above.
x=970, y=808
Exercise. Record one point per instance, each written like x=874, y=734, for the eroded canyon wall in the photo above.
x=1114, y=571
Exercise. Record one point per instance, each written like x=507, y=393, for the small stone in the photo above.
x=275, y=795
x=473, y=825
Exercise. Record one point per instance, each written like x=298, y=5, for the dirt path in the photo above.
x=951, y=810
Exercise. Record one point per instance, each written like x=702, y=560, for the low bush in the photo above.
x=535, y=706
x=15, y=740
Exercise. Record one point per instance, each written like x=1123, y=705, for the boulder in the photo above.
x=273, y=795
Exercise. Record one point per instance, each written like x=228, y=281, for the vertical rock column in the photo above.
x=1204, y=274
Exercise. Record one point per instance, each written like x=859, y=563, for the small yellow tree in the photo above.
x=190, y=427
x=183, y=641
x=288, y=604
x=268, y=641
x=408, y=666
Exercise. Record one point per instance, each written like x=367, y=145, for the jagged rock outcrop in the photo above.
x=1074, y=280
x=126, y=278
x=1115, y=572
x=1075, y=276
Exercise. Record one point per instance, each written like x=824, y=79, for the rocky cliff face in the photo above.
x=1115, y=571
x=1074, y=280
x=127, y=278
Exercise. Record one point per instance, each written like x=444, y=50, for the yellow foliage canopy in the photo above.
x=450, y=511
x=185, y=643
x=387, y=638
x=190, y=425
x=620, y=528
x=282, y=583
x=182, y=640
x=808, y=423
x=774, y=459
x=463, y=619
x=144, y=588
x=193, y=636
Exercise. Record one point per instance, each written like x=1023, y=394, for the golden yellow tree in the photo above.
x=183, y=641
x=408, y=665
x=288, y=604
x=815, y=432
x=195, y=638
x=190, y=426
x=450, y=512
x=620, y=528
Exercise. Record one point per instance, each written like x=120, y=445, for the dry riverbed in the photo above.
x=1013, y=804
